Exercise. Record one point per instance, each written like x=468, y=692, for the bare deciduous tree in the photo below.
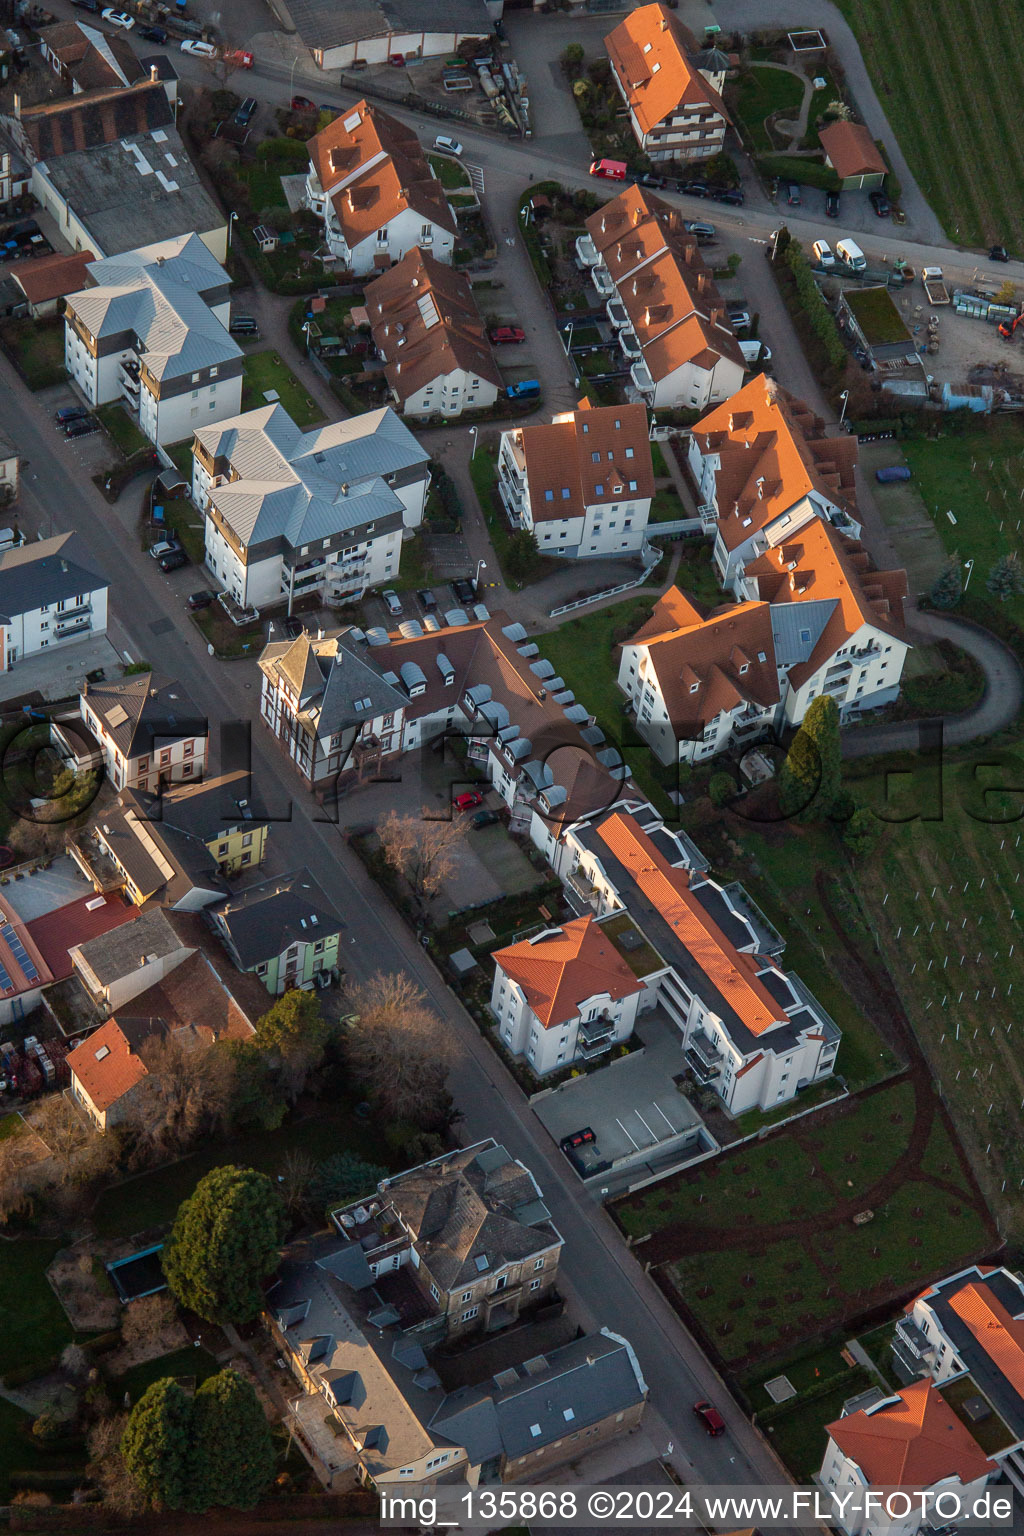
x=77, y=1151
x=106, y=1465
x=421, y=850
x=185, y=1093
x=146, y=1320
x=15, y=1193
x=397, y=1047
x=296, y=1173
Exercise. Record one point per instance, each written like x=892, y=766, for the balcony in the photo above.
x=641, y=376
x=513, y=500
x=631, y=348
x=703, y=1058
x=616, y=312
x=595, y=1035
x=585, y=889
x=586, y=252
x=80, y=626
x=603, y=282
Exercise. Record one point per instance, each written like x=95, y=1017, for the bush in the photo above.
x=722, y=789
x=818, y=314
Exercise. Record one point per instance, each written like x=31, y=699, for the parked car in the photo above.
x=302, y=104
x=997, y=253
x=832, y=205
x=739, y=314
x=611, y=170
x=486, y=818
x=69, y=413
x=529, y=389
x=118, y=19
x=246, y=112
x=755, y=352
x=700, y=229
x=428, y=602
x=83, y=427
x=197, y=49
x=713, y=1421
x=174, y=561
x=792, y=194
x=154, y=34
x=729, y=195
x=242, y=58
x=163, y=547
x=579, y=1138
x=465, y=591
x=200, y=599
x=292, y=627
x=87, y=5
x=656, y=183
x=822, y=253
x=469, y=799
x=506, y=335
x=446, y=145
x=392, y=601
x=880, y=203
x=243, y=325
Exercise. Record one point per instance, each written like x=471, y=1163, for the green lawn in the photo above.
x=274, y=158
x=942, y=64
x=449, y=173
x=181, y=453
x=184, y=519
x=761, y=91
x=265, y=371
x=761, y=1297
x=11, y=1125
x=37, y=347
x=798, y=1432
x=18, y=1453
x=584, y=652
x=42, y=1326
x=121, y=429
x=153, y=1199
x=657, y=456
x=191, y=1362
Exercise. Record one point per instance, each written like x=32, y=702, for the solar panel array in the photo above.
x=19, y=952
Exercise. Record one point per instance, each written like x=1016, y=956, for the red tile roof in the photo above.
x=560, y=970
x=107, y=1064
x=649, y=52
x=1000, y=1335
x=560, y=459
x=913, y=1442
x=193, y=996
x=851, y=151
x=56, y=932
x=425, y=325
x=50, y=277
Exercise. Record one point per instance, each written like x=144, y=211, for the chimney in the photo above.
x=154, y=73
x=717, y=315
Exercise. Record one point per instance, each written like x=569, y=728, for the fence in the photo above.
x=599, y=597
x=371, y=87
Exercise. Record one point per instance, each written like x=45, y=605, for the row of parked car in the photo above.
x=75, y=421
x=617, y=170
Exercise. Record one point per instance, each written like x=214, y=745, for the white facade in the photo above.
x=54, y=624
x=449, y=394
x=407, y=231
x=348, y=571
x=378, y=50
x=173, y=762
x=616, y=529
x=841, y=1474
x=731, y=727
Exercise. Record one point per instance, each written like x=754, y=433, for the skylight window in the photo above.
x=535, y=1431
x=805, y=636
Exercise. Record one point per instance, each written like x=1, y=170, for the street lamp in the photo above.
x=481, y=565
x=231, y=224
x=968, y=567
x=844, y=397
x=472, y=432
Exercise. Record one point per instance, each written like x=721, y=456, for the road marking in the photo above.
x=476, y=176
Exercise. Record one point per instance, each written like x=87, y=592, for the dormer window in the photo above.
x=745, y=668
x=694, y=687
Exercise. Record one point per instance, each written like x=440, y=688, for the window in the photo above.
x=538, y=1264
x=565, y=493
x=189, y=748
x=633, y=485
x=467, y=1296
x=213, y=373
x=629, y=453
x=165, y=757
x=435, y=1293
x=595, y=458
x=469, y=1314
x=222, y=849
x=195, y=378
x=549, y=495
x=247, y=840
x=598, y=490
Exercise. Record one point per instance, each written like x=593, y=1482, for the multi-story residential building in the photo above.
x=292, y=513
x=820, y=620
x=911, y=1440
x=749, y=1030
x=662, y=302
x=371, y=184
x=341, y=707
x=672, y=89
x=152, y=332
x=50, y=594
x=144, y=729
x=118, y=964
x=763, y=468
x=966, y=1332
x=564, y=994
x=583, y=485
x=283, y=930
x=425, y=325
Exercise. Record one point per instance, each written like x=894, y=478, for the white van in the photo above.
x=850, y=252
x=822, y=253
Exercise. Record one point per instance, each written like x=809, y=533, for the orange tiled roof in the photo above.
x=372, y=168
x=706, y=666
x=425, y=324
x=649, y=52
x=107, y=1064
x=1000, y=1335
x=672, y=611
x=668, y=293
x=773, y=452
x=851, y=151
x=560, y=971
x=912, y=1443
x=668, y=889
x=560, y=458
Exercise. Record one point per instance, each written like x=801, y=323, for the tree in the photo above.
x=107, y=1467
x=948, y=586
x=721, y=789
x=421, y=849
x=77, y=1151
x=224, y=1243
x=342, y=1177
x=862, y=832
x=146, y=1321
x=185, y=1094
x=572, y=59
x=1006, y=578
x=233, y=1453
x=1007, y=293
x=254, y=1102
x=810, y=777
x=581, y=89
x=293, y=1032
x=397, y=1048
x=156, y=1445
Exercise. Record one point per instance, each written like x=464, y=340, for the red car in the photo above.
x=303, y=104
x=469, y=799
x=713, y=1421
x=241, y=58
x=506, y=335
x=396, y=60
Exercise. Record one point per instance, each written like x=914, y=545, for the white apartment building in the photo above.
x=912, y=1440
x=49, y=597
x=750, y=1030
x=152, y=332
x=291, y=512
x=583, y=484
x=563, y=995
x=425, y=326
x=672, y=90
x=662, y=302
x=371, y=184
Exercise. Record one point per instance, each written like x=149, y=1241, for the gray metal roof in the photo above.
x=266, y=919
x=326, y=24
x=306, y=486
x=797, y=627
x=47, y=571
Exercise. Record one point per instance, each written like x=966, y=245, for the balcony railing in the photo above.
x=702, y=1056
x=616, y=312
x=641, y=376
x=631, y=348
x=603, y=281
x=586, y=251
